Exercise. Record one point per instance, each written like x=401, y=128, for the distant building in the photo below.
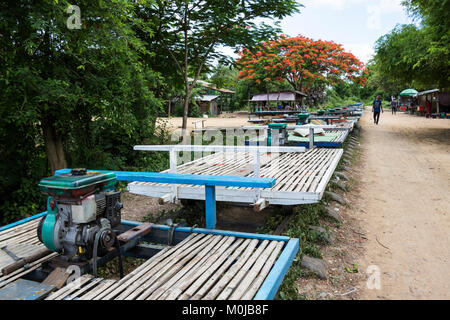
x=287, y=98
x=212, y=99
x=208, y=104
x=439, y=101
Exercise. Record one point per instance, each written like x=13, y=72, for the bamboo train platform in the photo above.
x=332, y=139
x=301, y=177
x=199, y=264
x=200, y=267
x=21, y=241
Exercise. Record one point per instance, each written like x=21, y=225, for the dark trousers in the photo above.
x=376, y=117
x=394, y=110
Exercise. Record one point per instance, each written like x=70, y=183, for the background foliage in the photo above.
x=89, y=88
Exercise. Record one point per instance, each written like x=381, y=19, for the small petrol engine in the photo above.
x=82, y=210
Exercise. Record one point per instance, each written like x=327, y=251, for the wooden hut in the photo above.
x=291, y=97
x=428, y=102
x=208, y=104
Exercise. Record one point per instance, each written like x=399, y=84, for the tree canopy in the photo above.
x=68, y=97
x=307, y=65
x=417, y=55
x=192, y=31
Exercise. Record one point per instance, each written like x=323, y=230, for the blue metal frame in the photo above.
x=317, y=144
x=210, y=207
x=194, y=179
x=306, y=144
x=188, y=230
x=209, y=181
x=11, y=225
x=271, y=284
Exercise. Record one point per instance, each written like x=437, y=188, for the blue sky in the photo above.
x=356, y=24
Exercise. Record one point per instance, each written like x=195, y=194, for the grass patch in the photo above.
x=298, y=227
x=111, y=269
x=190, y=214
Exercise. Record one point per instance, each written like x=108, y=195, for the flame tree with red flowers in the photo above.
x=306, y=64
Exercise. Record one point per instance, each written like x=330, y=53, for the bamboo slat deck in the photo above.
x=331, y=136
x=201, y=267
x=349, y=124
x=300, y=177
x=22, y=241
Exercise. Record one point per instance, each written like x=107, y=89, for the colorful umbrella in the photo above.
x=409, y=92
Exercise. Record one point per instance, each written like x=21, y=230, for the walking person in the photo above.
x=376, y=109
x=394, y=106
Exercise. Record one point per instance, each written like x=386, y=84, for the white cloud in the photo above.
x=373, y=18
x=362, y=51
x=391, y=6
x=335, y=4
x=385, y=6
x=378, y=8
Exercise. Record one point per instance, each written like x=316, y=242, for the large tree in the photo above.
x=397, y=54
x=307, y=65
x=68, y=97
x=416, y=55
x=434, y=16
x=224, y=76
x=53, y=76
x=192, y=31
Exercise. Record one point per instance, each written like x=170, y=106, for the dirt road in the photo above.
x=405, y=200
x=226, y=120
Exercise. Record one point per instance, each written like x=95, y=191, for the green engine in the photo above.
x=82, y=210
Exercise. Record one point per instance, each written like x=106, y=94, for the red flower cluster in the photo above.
x=302, y=62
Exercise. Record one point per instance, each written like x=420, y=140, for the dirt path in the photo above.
x=405, y=196
x=226, y=120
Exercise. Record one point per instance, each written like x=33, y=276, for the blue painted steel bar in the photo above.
x=215, y=232
x=319, y=144
x=209, y=181
x=180, y=229
x=11, y=225
x=210, y=207
x=274, y=279
x=23, y=289
x=175, y=178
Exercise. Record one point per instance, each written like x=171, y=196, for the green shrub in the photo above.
x=194, y=111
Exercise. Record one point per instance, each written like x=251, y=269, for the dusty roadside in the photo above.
x=405, y=189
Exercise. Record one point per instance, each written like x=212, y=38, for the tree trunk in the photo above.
x=54, y=147
x=168, y=113
x=186, y=110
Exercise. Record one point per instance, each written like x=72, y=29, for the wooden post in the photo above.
x=173, y=169
x=437, y=101
x=256, y=160
x=256, y=173
x=311, y=137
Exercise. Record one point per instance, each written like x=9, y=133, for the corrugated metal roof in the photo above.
x=427, y=92
x=211, y=86
x=225, y=90
x=207, y=98
x=277, y=96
